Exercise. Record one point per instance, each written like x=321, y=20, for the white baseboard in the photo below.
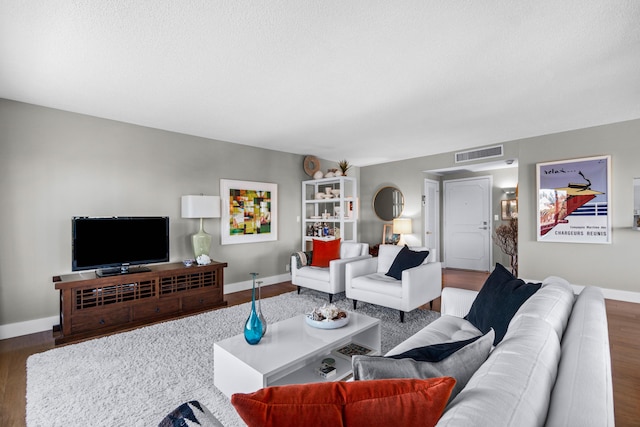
x=627, y=296
x=28, y=327
x=12, y=330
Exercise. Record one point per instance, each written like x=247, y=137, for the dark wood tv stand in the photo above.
x=91, y=305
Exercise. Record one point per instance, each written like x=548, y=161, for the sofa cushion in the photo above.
x=552, y=303
x=583, y=393
x=357, y=403
x=405, y=259
x=458, y=359
x=498, y=301
x=443, y=329
x=512, y=387
x=325, y=251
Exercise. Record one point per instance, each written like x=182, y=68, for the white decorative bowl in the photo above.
x=327, y=324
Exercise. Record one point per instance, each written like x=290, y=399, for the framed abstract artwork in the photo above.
x=249, y=212
x=574, y=197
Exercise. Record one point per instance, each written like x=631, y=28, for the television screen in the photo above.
x=107, y=242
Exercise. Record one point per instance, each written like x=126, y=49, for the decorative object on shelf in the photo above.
x=253, y=325
x=201, y=207
x=188, y=262
x=260, y=315
x=330, y=173
x=327, y=317
x=506, y=238
x=311, y=165
x=203, y=260
x=344, y=166
x=402, y=226
x=318, y=175
x=249, y=211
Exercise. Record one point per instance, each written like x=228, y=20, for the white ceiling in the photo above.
x=366, y=80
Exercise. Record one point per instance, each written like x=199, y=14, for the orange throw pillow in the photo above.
x=387, y=402
x=325, y=251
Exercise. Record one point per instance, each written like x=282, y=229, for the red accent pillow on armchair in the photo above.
x=352, y=404
x=325, y=251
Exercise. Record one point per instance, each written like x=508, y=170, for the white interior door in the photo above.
x=467, y=223
x=432, y=216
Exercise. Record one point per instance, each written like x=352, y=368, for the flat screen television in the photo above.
x=111, y=244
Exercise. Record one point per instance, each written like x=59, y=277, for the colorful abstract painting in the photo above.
x=573, y=201
x=249, y=211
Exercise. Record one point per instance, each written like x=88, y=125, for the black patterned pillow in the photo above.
x=188, y=414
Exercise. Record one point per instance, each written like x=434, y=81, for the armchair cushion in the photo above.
x=405, y=259
x=325, y=251
x=353, y=250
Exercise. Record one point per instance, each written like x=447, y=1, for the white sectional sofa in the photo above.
x=552, y=368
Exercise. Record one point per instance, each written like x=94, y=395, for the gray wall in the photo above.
x=408, y=176
x=612, y=266
x=55, y=164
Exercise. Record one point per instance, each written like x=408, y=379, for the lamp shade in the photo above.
x=200, y=206
x=402, y=226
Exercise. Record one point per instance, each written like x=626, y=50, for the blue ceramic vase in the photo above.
x=253, y=326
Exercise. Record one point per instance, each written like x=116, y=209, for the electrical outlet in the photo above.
x=286, y=267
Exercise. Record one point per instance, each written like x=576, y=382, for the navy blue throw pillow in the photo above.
x=498, y=301
x=434, y=352
x=406, y=259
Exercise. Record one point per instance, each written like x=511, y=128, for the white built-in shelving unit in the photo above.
x=330, y=210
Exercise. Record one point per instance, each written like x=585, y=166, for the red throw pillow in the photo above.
x=325, y=251
x=352, y=404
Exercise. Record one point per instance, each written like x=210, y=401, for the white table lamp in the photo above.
x=201, y=207
x=402, y=226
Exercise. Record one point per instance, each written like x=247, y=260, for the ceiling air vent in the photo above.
x=483, y=153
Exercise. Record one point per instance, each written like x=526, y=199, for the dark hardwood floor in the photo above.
x=624, y=335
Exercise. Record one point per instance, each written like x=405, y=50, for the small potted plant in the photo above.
x=344, y=166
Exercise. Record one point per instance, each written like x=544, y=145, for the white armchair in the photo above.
x=328, y=279
x=366, y=280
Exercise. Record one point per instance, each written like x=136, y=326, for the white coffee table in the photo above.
x=289, y=353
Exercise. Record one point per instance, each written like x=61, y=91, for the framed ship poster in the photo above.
x=249, y=212
x=573, y=200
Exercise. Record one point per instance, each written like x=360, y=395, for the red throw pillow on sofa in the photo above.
x=325, y=251
x=352, y=404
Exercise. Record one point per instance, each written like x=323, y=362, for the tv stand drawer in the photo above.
x=155, y=309
x=99, y=319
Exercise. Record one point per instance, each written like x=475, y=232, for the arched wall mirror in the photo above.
x=388, y=203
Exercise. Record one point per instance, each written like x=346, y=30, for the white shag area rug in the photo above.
x=135, y=378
